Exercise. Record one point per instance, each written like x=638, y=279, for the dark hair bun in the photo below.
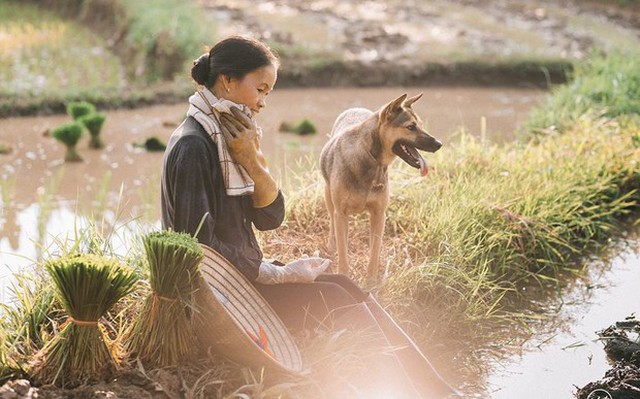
x=200, y=69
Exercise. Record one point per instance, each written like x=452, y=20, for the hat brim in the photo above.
x=234, y=320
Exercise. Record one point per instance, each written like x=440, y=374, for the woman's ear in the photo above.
x=226, y=83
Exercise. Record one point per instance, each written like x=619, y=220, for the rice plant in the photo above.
x=5, y=148
x=94, y=122
x=64, y=59
x=78, y=109
x=69, y=134
x=161, y=335
x=88, y=286
x=27, y=322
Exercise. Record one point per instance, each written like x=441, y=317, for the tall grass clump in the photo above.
x=88, y=286
x=94, y=122
x=69, y=134
x=161, y=335
x=607, y=84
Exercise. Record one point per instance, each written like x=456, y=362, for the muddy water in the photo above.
x=562, y=350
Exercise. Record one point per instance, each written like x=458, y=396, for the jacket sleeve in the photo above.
x=271, y=216
x=192, y=171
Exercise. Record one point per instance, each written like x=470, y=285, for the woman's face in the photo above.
x=253, y=89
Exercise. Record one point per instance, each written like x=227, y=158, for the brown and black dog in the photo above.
x=354, y=165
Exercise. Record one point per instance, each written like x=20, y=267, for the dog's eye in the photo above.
x=412, y=127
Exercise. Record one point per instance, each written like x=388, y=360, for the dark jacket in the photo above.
x=192, y=187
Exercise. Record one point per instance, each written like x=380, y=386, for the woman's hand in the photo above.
x=304, y=270
x=243, y=141
x=241, y=135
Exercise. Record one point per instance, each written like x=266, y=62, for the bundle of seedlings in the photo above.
x=69, y=134
x=161, y=334
x=94, y=122
x=78, y=109
x=88, y=286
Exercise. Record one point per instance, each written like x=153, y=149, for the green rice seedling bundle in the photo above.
x=94, y=122
x=78, y=109
x=88, y=286
x=69, y=134
x=162, y=335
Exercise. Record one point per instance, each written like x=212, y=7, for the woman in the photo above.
x=215, y=183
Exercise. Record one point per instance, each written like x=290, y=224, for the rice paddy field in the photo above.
x=491, y=221
x=46, y=55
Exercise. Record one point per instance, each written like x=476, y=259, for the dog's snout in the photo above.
x=434, y=144
x=437, y=144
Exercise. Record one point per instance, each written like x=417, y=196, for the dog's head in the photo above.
x=404, y=132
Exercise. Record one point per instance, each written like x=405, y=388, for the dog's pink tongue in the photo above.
x=423, y=167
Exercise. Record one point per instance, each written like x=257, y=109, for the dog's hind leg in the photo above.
x=377, y=219
x=331, y=244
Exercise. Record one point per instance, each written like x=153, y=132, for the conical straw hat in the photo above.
x=234, y=320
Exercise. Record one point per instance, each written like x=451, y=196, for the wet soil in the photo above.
x=622, y=346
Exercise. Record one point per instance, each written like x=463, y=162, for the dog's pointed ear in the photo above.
x=412, y=100
x=393, y=107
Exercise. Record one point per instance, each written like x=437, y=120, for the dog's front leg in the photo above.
x=341, y=222
x=377, y=218
x=331, y=244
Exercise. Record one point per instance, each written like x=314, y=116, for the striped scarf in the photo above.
x=201, y=104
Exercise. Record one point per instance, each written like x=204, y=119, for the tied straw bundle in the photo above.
x=162, y=335
x=88, y=286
